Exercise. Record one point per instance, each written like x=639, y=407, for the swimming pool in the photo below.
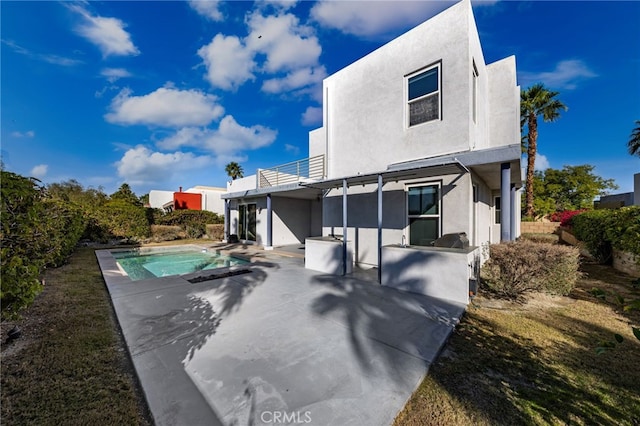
x=140, y=266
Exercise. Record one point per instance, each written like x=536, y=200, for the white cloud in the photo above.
x=292, y=149
x=210, y=9
x=107, y=33
x=277, y=46
x=141, y=166
x=287, y=44
x=27, y=134
x=166, y=107
x=280, y=4
x=297, y=79
x=312, y=116
x=542, y=163
x=228, y=61
x=566, y=75
x=230, y=138
x=50, y=58
x=39, y=171
x=114, y=74
x=374, y=18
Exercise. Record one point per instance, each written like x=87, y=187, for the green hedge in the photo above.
x=36, y=232
x=192, y=222
x=602, y=230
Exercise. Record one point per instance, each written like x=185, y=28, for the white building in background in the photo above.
x=420, y=138
x=210, y=198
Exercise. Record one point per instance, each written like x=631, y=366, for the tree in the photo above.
x=634, y=140
x=535, y=101
x=124, y=193
x=234, y=170
x=571, y=188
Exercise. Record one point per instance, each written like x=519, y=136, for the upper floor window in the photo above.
x=424, y=96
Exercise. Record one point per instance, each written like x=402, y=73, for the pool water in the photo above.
x=162, y=264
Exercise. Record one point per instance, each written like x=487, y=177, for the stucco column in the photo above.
x=514, y=212
x=344, y=227
x=505, y=202
x=380, y=229
x=269, y=245
x=227, y=222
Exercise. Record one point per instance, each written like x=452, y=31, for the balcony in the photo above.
x=297, y=171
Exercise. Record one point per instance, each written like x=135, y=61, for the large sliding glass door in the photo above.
x=247, y=222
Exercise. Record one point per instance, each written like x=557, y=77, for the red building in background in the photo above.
x=187, y=201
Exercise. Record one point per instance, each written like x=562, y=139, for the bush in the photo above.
x=161, y=233
x=591, y=228
x=215, y=232
x=121, y=219
x=623, y=229
x=192, y=222
x=516, y=268
x=188, y=217
x=65, y=225
x=23, y=240
x=540, y=238
x=564, y=217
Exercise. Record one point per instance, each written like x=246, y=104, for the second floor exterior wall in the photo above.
x=367, y=105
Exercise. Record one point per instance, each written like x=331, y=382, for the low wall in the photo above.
x=538, y=227
x=626, y=262
x=433, y=271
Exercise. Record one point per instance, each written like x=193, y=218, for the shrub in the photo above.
x=188, y=217
x=564, y=217
x=65, y=225
x=23, y=240
x=161, y=233
x=192, y=222
x=215, y=232
x=516, y=268
x=623, y=229
x=591, y=228
x=540, y=238
x=123, y=220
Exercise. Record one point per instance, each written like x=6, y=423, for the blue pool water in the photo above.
x=162, y=264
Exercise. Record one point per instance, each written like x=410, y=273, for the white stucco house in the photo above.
x=420, y=138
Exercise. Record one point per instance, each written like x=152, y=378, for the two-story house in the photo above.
x=420, y=138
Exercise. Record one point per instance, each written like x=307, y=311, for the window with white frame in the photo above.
x=423, y=214
x=423, y=96
x=497, y=207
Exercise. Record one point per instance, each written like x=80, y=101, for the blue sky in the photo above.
x=164, y=94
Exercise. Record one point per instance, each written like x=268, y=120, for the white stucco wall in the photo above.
x=504, y=106
x=242, y=184
x=317, y=142
x=365, y=103
x=211, y=200
x=159, y=198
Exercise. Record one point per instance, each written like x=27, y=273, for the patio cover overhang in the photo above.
x=490, y=164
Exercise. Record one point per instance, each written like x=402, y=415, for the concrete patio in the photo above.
x=278, y=345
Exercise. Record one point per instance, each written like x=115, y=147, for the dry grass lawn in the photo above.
x=537, y=363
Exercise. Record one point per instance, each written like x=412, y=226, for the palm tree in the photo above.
x=234, y=170
x=634, y=140
x=534, y=101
